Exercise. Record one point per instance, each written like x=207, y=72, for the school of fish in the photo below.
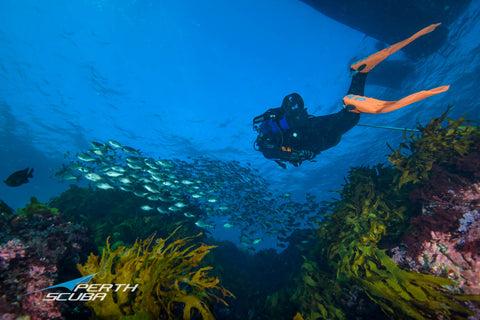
x=203, y=189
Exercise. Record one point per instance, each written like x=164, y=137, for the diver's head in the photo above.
x=292, y=102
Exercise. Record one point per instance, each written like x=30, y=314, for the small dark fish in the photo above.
x=19, y=178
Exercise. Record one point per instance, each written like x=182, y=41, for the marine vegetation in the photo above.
x=380, y=206
x=118, y=214
x=35, y=206
x=437, y=145
x=360, y=219
x=170, y=282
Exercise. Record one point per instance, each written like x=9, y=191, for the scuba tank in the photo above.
x=276, y=126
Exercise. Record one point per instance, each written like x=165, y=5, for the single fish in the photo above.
x=85, y=157
x=97, y=145
x=134, y=166
x=125, y=180
x=131, y=150
x=180, y=205
x=118, y=168
x=114, y=174
x=161, y=210
x=18, y=178
x=115, y=144
x=151, y=188
x=146, y=208
x=100, y=152
x=104, y=186
x=69, y=176
x=93, y=176
x=204, y=225
x=257, y=241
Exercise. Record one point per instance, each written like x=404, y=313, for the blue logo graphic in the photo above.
x=70, y=285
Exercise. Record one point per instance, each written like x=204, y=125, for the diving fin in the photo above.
x=368, y=63
x=370, y=105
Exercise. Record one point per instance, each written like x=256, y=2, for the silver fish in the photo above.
x=204, y=225
x=104, y=186
x=85, y=157
x=118, y=169
x=113, y=174
x=93, y=176
x=161, y=210
x=125, y=180
x=256, y=241
x=152, y=188
x=131, y=150
x=114, y=144
x=180, y=205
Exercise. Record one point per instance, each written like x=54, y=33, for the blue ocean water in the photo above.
x=184, y=79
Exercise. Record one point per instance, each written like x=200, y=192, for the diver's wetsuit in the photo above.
x=324, y=132
x=289, y=134
x=304, y=136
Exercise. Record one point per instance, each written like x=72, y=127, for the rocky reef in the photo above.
x=404, y=236
x=38, y=247
x=399, y=242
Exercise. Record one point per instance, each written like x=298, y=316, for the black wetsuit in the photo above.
x=289, y=134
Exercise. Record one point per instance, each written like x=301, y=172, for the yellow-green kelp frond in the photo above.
x=168, y=277
x=371, y=208
x=368, y=206
x=317, y=294
x=436, y=145
x=403, y=294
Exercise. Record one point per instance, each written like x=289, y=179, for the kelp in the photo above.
x=369, y=209
x=317, y=295
x=436, y=145
x=403, y=294
x=35, y=206
x=168, y=276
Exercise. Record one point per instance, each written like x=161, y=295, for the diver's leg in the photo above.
x=357, y=86
x=357, y=103
x=367, y=64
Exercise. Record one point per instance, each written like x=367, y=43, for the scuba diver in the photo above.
x=290, y=134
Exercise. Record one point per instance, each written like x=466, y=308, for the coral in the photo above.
x=35, y=248
x=168, y=277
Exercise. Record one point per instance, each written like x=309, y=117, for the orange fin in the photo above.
x=370, y=105
x=367, y=64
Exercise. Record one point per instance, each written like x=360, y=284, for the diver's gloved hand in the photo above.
x=306, y=155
